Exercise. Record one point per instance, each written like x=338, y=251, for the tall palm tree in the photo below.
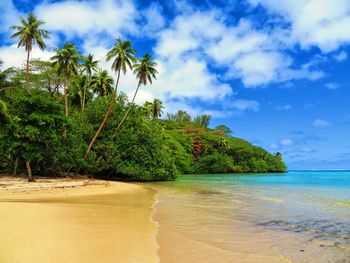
x=157, y=108
x=123, y=54
x=145, y=71
x=29, y=34
x=89, y=66
x=102, y=83
x=66, y=62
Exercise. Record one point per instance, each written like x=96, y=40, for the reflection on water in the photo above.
x=310, y=205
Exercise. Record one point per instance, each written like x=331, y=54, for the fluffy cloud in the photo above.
x=15, y=57
x=8, y=15
x=321, y=23
x=246, y=53
x=88, y=17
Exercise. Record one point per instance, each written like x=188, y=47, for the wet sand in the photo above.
x=83, y=220
x=197, y=226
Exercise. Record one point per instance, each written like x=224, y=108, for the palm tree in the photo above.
x=102, y=83
x=123, y=54
x=148, y=108
x=29, y=33
x=66, y=62
x=144, y=71
x=76, y=90
x=157, y=108
x=89, y=65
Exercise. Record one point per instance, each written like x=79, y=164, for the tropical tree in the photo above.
x=76, y=90
x=66, y=63
x=29, y=33
x=145, y=71
x=203, y=120
x=180, y=115
x=148, y=108
x=124, y=57
x=123, y=54
x=88, y=67
x=102, y=83
x=225, y=129
x=157, y=108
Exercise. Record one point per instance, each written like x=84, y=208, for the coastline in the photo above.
x=76, y=220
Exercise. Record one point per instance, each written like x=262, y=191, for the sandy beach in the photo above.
x=75, y=220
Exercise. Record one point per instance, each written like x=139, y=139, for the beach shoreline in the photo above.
x=76, y=220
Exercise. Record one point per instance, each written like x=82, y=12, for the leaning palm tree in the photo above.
x=123, y=54
x=66, y=62
x=102, y=83
x=144, y=70
x=157, y=108
x=88, y=67
x=29, y=34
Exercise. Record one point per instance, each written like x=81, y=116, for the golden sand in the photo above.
x=85, y=220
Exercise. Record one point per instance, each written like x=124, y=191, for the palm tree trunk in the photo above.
x=29, y=171
x=84, y=96
x=27, y=70
x=65, y=96
x=116, y=85
x=128, y=110
x=111, y=104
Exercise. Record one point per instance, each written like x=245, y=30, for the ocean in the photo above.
x=298, y=216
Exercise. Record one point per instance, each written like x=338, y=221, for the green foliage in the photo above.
x=181, y=115
x=29, y=32
x=201, y=150
x=137, y=152
x=35, y=132
x=224, y=129
x=203, y=120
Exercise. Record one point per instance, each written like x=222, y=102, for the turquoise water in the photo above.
x=314, y=205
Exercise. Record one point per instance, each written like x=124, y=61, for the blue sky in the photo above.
x=276, y=72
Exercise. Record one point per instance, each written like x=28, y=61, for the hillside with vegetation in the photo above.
x=67, y=116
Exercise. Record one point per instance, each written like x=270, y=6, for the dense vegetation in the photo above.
x=66, y=116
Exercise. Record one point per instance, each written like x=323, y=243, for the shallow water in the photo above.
x=300, y=216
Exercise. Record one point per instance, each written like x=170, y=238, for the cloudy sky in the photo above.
x=276, y=71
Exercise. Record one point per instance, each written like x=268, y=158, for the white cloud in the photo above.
x=321, y=23
x=9, y=15
x=253, y=56
x=154, y=21
x=16, y=57
x=321, y=123
x=88, y=17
